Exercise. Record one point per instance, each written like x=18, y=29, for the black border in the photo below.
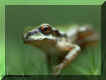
x=103, y=39
x=49, y=77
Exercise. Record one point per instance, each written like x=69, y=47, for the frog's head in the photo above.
x=39, y=36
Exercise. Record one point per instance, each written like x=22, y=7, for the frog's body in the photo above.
x=54, y=43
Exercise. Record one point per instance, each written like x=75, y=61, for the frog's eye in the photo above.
x=45, y=29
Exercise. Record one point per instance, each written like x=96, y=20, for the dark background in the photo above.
x=22, y=59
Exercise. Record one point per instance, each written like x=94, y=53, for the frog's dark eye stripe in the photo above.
x=45, y=29
x=30, y=33
x=56, y=33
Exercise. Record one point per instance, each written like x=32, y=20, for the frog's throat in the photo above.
x=40, y=40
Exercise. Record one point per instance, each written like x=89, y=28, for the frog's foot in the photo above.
x=57, y=70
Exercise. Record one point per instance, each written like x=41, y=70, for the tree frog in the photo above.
x=65, y=46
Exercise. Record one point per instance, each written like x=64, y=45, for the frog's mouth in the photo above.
x=37, y=38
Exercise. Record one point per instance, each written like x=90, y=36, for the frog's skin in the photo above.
x=64, y=45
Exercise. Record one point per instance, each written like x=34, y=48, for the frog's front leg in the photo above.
x=73, y=52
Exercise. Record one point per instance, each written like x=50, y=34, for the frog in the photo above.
x=65, y=46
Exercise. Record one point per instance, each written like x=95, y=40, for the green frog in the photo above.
x=65, y=46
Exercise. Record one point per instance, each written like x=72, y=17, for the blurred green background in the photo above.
x=23, y=59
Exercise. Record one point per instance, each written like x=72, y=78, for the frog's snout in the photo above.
x=27, y=35
x=30, y=33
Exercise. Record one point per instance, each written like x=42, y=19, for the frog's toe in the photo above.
x=56, y=70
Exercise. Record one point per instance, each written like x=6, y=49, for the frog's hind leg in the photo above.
x=86, y=36
x=73, y=52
